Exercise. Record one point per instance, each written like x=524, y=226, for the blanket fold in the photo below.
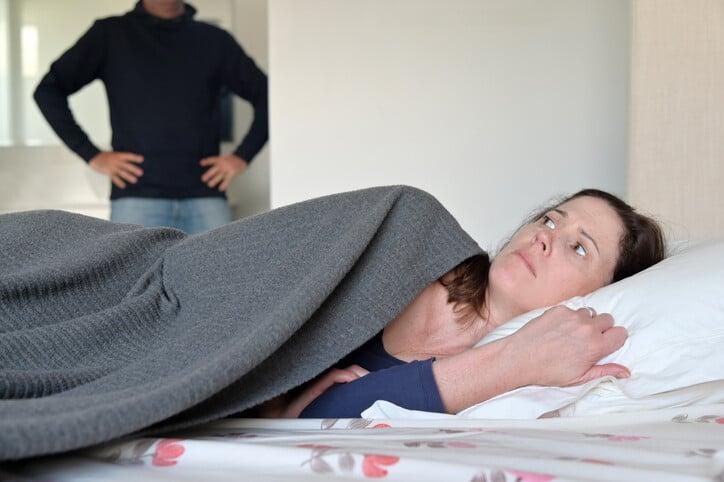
x=108, y=329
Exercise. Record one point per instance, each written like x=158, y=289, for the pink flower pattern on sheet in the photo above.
x=325, y=459
x=531, y=476
x=373, y=465
x=428, y=448
x=167, y=452
x=139, y=452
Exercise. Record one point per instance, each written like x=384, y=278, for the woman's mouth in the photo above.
x=527, y=262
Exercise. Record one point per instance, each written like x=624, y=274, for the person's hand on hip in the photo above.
x=121, y=167
x=223, y=170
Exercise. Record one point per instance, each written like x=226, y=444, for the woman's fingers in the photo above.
x=358, y=370
x=615, y=337
x=349, y=374
x=598, y=371
x=603, y=322
x=322, y=384
x=617, y=370
x=564, y=345
x=587, y=311
x=341, y=376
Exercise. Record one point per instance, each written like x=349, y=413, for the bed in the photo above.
x=676, y=444
x=665, y=423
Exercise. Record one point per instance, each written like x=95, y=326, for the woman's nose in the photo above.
x=545, y=239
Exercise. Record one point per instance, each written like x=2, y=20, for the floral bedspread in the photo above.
x=685, y=444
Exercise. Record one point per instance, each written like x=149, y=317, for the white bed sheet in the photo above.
x=684, y=444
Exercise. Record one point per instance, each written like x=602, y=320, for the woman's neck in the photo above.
x=497, y=311
x=430, y=327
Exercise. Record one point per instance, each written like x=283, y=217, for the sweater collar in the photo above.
x=147, y=18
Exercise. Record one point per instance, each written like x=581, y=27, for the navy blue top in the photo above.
x=408, y=385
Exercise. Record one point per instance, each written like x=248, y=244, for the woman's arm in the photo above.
x=291, y=406
x=410, y=385
x=558, y=348
x=477, y=375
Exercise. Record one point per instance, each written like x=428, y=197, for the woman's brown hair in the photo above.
x=642, y=245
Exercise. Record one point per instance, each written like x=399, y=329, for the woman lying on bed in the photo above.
x=424, y=358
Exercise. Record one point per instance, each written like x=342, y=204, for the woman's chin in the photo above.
x=507, y=282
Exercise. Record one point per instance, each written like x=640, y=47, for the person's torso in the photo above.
x=163, y=86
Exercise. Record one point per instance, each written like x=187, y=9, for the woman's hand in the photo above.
x=558, y=348
x=562, y=346
x=279, y=408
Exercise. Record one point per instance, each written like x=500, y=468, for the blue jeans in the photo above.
x=192, y=215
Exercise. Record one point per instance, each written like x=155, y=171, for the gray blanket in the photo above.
x=109, y=329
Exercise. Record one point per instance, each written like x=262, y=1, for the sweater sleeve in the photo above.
x=411, y=386
x=77, y=67
x=240, y=74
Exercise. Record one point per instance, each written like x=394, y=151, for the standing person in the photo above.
x=163, y=72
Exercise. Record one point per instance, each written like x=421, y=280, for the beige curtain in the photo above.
x=676, y=168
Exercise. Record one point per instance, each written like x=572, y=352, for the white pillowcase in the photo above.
x=674, y=313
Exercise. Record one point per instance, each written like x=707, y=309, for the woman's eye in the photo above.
x=580, y=250
x=549, y=222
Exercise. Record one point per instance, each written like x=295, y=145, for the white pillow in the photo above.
x=674, y=313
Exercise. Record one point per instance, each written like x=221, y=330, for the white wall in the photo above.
x=57, y=26
x=249, y=193
x=493, y=106
x=4, y=73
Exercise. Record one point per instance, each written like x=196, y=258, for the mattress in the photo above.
x=677, y=444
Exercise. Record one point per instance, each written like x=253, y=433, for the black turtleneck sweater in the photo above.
x=163, y=80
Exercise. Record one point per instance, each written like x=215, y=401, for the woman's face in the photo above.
x=572, y=250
